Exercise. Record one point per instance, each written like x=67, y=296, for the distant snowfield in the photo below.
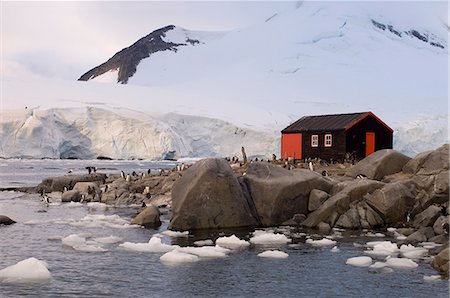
x=240, y=88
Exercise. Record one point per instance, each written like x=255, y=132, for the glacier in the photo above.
x=242, y=87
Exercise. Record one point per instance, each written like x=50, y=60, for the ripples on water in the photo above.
x=307, y=272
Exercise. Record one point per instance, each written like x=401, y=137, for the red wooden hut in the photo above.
x=335, y=136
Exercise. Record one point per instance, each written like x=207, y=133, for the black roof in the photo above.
x=324, y=122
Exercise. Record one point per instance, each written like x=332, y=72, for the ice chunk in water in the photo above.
x=232, y=242
x=153, y=245
x=175, y=233
x=108, y=240
x=89, y=248
x=359, y=261
x=335, y=249
x=276, y=254
x=205, y=251
x=432, y=277
x=412, y=252
x=321, y=242
x=401, y=263
x=267, y=238
x=176, y=257
x=73, y=239
x=204, y=242
x=29, y=270
x=382, y=248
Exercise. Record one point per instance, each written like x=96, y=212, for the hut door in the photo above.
x=370, y=143
x=291, y=145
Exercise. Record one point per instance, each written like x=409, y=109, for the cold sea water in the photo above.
x=112, y=271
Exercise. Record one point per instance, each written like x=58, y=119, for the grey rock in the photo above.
x=379, y=164
x=278, y=193
x=406, y=231
x=442, y=239
x=339, y=203
x=316, y=198
x=427, y=217
x=368, y=217
x=438, y=225
x=59, y=183
x=429, y=163
x=5, y=220
x=441, y=261
x=421, y=235
x=324, y=227
x=149, y=217
x=208, y=195
x=393, y=202
x=71, y=196
x=349, y=220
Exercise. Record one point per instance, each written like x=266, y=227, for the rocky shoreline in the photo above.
x=387, y=190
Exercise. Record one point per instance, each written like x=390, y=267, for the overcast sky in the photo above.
x=65, y=39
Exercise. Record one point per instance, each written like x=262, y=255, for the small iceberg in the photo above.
x=275, y=254
x=232, y=242
x=321, y=242
x=89, y=248
x=431, y=278
x=175, y=233
x=153, y=245
x=175, y=257
x=411, y=252
x=359, y=261
x=205, y=242
x=382, y=248
x=335, y=249
x=401, y=263
x=29, y=270
x=268, y=238
x=205, y=251
x=108, y=240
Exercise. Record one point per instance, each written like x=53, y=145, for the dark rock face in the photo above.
x=127, y=60
x=429, y=163
x=379, y=164
x=278, y=194
x=69, y=181
x=441, y=261
x=393, y=201
x=5, y=220
x=149, y=217
x=207, y=196
x=339, y=203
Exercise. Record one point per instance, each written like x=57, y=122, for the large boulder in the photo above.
x=71, y=196
x=149, y=217
x=439, y=225
x=427, y=217
x=87, y=187
x=278, y=193
x=379, y=164
x=369, y=218
x=421, y=235
x=5, y=220
x=316, y=198
x=430, y=162
x=339, y=203
x=208, y=195
x=441, y=261
x=393, y=202
x=349, y=220
x=59, y=183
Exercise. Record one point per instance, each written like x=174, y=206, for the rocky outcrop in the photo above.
x=430, y=162
x=209, y=195
x=393, y=201
x=379, y=164
x=339, y=203
x=441, y=261
x=427, y=217
x=278, y=193
x=149, y=217
x=68, y=181
x=5, y=220
x=316, y=198
x=71, y=196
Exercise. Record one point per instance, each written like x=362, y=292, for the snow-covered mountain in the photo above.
x=390, y=58
x=87, y=133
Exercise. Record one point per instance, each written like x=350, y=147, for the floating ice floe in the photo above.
x=401, y=263
x=232, y=242
x=432, y=277
x=108, y=240
x=176, y=257
x=153, y=245
x=268, y=238
x=382, y=248
x=175, y=233
x=359, y=261
x=78, y=242
x=276, y=254
x=321, y=242
x=378, y=265
x=89, y=248
x=378, y=235
x=29, y=270
x=412, y=252
x=205, y=251
x=335, y=249
x=429, y=245
x=73, y=240
x=205, y=242
x=101, y=220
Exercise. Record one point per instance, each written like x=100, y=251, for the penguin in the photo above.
x=106, y=187
x=148, y=195
x=408, y=217
x=143, y=205
x=311, y=166
x=69, y=171
x=64, y=189
x=46, y=199
x=94, y=169
x=134, y=174
x=361, y=176
x=149, y=171
x=325, y=173
x=89, y=170
x=122, y=174
x=83, y=198
x=128, y=178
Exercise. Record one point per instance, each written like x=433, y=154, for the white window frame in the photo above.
x=314, y=140
x=328, y=142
